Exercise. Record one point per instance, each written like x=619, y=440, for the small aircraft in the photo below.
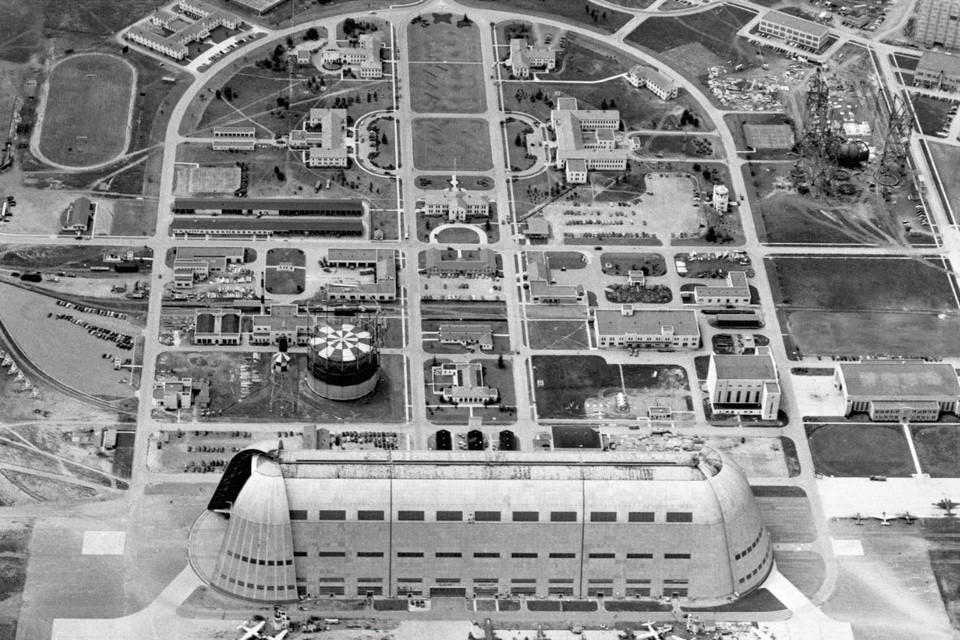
x=883, y=520
x=858, y=520
x=947, y=505
x=908, y=517
x=252, y=633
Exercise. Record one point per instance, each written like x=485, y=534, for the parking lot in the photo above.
x=460, y=288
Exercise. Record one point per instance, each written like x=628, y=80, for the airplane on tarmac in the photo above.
x=252, y=633
x=906, y=516
x=947, y=505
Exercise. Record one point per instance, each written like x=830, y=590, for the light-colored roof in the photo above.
x=744, y=367
x=190, y=253
x=794, y=22
x=652, y=76
x=899, y=379
x=647, y=322
x=936, y=61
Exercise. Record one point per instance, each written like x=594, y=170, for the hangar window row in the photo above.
x=367, y=515
x=752, y=546
x=260, y=561
x=259, y=587
x=558, y=555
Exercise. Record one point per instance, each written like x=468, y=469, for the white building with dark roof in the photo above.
x=206, y=19
x=744, y=385
x=323, y=138
x=794, y=29
x=894, y=390
x=524, y=57
x=363, y=57
x=736, y=291
x=467, y=335
x=663, y=87
x=586, y=139
x=288, y=524
x=647, y=328
x=456, y=204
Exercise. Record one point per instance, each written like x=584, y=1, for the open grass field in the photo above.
x=285, y=272
x=585, y=14
x=437, y=38
x=946, y=159
x=517, y=153
x=438, y=142
x=568, y=381
x=882, y=333
x=20, y=30
x=938, y=449
x=859, y=450
x=558, y=334
x=447, y=88
x=87, y=110
x=932, y=114
x=133, y=218
x=588, y=59
x=713, y=30
x=862, y=284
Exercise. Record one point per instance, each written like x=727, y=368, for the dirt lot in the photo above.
x=569, y=381
x=558, y=334
x=859, y=450
x=438, y=142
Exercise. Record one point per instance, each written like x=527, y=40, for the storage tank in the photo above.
x=343, y=361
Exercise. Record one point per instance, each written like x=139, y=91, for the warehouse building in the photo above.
x=586, y=139
x=543, y=289
x=744, y=385
x=794, y=29
x=290, y=524
x=894, y=390
x=647, y=329
x=735, y=292
x=79, y=215
x=937, y=70
x=234, y=138
x=269, y=207
x=462, y=262
x=661, y=86
x=938, y=23
x=524, y=57
x=467, y=335
x=254, y=227
x=218, y=327
x=382, y=263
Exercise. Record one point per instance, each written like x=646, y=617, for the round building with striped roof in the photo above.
x=343, y=361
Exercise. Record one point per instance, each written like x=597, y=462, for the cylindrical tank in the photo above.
x=852, y=154
x=343, y=362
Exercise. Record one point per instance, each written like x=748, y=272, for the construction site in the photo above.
x=848, y=178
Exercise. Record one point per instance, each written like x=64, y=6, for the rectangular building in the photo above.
x=736, y=291
x=234, y=138
x=938, y=23
x=659, y=84
x=524, y=57
x=323, y=138
x=269, y=207
x=543, y=289
x=461, y=383
x=79, y=215
x=206, y=19
x=383, y=263
x=938, y=70
x=363, y=57
x=467, y=335
x=647, y=329
x=256, y=227
x=894, y=390
x=794, y=29
x=218, y=327
x=744, y=385
x=463, y=262
x=283, y=321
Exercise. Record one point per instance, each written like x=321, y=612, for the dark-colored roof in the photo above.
x=247, y=204
x=248, y=224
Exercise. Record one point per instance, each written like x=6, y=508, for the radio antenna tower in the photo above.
x=283, y=400
x=893, y=162
x=820, y=138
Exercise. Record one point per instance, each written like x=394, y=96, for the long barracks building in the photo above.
x=288, y=524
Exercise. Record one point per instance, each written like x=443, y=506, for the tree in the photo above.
x=383, y=139
x=696, y=167
x=312, y=34
x=586, y=8
x=500, y=363
x=711, y=235
x=349, y=26
x=218, y=95
x=603, y=104
x=281, y=176
x=289, y=42
x=518, y=141
x=228, y=94
x=613, y=103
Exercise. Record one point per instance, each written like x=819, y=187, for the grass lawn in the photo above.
x=447, y=88
x=947, y=161
x=619, y=264
x=932, y=114
x=588, y=59
x=586, y=14
x=858, y=334
x=284, y=283
x=859, y=450
x=566, y=260
x=439, y=182
x=87, y=109
x=294, y=257
x=437, y=38
x=633, y=4
x=938, y=448
x=516, y=132
x=558, y=334
x=714, y=29
x=438, y=142
x=459, y=235
x=569, y=380
x=858, y=284
x=134, y=218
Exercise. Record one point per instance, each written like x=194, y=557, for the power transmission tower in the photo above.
x=893, y=161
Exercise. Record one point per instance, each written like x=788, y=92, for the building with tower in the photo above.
x=744, y=385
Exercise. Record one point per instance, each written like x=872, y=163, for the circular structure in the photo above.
x=343, y=362
x=852, y=154
x=86, y=109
